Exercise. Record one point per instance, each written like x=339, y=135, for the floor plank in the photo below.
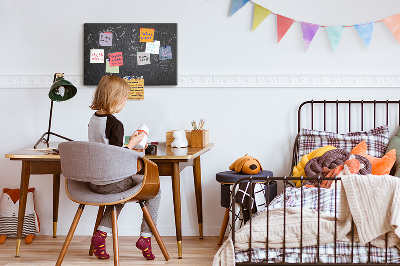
x=44, y=251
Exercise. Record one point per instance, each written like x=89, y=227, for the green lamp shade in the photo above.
x=62, y=90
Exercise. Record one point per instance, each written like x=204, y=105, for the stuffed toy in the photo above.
x=180, y=140
x=246, y=165
x=380, y=166
x=298, y=170
x=9, y=205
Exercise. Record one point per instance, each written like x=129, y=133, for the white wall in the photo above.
x=40, y=38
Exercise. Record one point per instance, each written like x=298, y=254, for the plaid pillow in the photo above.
x=377, y=139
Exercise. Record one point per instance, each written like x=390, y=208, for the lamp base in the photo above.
x=45, y=139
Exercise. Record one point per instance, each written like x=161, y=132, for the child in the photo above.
x=110, y=98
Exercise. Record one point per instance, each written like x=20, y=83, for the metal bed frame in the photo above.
x=337, y=109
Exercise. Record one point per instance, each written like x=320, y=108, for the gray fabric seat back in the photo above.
x=90, y=161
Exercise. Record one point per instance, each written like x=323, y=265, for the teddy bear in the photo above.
x=9, y=205
x=180, y=140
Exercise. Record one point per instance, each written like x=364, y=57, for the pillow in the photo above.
x=380, y=166
x=394, y=143
x=377, y=139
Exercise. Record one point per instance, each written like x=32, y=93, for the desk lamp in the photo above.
x=61, y=90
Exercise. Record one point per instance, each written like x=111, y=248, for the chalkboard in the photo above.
x=134, y=45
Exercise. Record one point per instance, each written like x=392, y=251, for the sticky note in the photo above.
x=97, y=56
x=143, y=58
x=146, y=35
x=153, y=47
x=116, y=59
x=111, y=69
x=137, y=88
x=105, y=39
x=165, y=52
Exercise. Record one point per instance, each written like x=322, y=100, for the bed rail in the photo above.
x=285, y=180
x=345, y=116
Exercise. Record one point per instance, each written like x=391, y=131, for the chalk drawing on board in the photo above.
x=126, y=40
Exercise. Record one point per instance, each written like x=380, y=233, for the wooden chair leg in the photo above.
x=115, y=234
x=223, y=227
x=154, y=230
x=70, y=234
x=98, y=220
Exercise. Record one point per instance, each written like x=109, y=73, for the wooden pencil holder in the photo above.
x=199, y=138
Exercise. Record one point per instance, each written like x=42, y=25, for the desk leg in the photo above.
x=25, y=175
x=176, y=190
x=56, y=199
x=197, y=187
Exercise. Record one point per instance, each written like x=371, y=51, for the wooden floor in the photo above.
x=44, y=250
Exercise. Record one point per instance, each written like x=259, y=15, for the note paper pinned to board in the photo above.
x=165, y=53
x=143, y=58
x=116, y=59
x=111, y=69
x=105, y=39
x=153, y=47
x=146, y=35
x=97, y=56
x=137, y=88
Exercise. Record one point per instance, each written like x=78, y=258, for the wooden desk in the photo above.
x=170, y=162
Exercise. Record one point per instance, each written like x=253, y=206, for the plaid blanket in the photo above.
x=326, y=252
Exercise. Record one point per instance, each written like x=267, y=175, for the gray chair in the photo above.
x=83, y=162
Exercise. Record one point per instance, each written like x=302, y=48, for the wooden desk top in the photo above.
x=163, y=153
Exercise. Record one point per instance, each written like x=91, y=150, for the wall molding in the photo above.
x=186, y=81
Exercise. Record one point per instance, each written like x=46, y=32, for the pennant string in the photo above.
x=345, y=26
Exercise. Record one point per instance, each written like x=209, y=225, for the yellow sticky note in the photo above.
x=137, y=89
x=146, y=35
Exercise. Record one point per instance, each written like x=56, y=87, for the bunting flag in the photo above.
x=393, y=23
x=365, y=32
x=237, y=4
x=283, y=24
x=309, y=31
x=335, y=35
x=260, y=13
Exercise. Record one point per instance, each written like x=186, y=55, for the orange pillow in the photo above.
x=380, y=166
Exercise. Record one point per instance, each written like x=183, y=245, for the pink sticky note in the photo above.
x=116, y=59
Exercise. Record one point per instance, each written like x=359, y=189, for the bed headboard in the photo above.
x=347, y=116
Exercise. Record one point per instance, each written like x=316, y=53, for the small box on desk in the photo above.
x=200, y=138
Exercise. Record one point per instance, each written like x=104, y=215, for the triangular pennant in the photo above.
x=236, y=5
x=283, y=24
x=393, y=23
x=335, y=35
x=365, y=32
x=309, y=31
x=260, y=13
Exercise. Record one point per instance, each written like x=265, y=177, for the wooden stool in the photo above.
x=229, y=178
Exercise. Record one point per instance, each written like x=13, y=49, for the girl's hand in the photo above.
x=142, y=150
x=135, y=139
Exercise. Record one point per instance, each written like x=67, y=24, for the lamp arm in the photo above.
x=51, y=114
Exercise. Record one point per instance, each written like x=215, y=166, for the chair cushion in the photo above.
x=230, y=177
x=80, y=192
